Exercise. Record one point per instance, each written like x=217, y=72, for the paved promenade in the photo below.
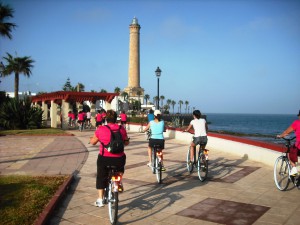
x=238, y=191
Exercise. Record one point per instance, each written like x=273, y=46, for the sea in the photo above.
x=261, y=127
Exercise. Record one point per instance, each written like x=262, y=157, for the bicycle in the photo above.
x=282, y=169
x=111, y=193
x=156, y=164
x=201, y=162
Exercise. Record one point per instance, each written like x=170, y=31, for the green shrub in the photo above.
x=20, y=114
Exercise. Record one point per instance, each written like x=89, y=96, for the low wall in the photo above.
x=253, y=150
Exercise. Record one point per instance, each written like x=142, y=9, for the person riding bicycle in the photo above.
x=80, y=120
x=150, y=115
x=200, y=132
x=106, y=158
x=88, y=117
x=123, y=117
x=71, y=117
x=295, y=126
x=157, y=127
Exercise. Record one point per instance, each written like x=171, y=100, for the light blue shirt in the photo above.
x=157, y=129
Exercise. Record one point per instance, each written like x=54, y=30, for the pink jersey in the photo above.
x=81, y=116
x=296, y=127
x=103, y=134
x=98, y=117
x=123, y=117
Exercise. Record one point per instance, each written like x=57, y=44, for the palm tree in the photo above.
x=162, y=98
x=180, y=102
x=155, y=99
x=146, y=97
x=173, y=103
x=124, y=95
x=18, y=65
x=79, y=87
x=186, y=105
x=117, y=90
x=169, y=101
x=5, y=27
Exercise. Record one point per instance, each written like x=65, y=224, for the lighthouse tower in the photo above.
x=134, y=89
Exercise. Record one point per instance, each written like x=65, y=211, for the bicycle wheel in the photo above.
x=153, y=160
x=189, y=163
x=158, y=170
x=113, y=200
x=202, y=167
x=281, y=173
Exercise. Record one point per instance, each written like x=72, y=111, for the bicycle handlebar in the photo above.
x=287, y=139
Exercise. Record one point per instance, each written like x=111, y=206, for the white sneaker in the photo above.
x=99, y=203
x=149, y=164
x=294, y=171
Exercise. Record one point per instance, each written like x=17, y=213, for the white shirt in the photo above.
x=199, y=127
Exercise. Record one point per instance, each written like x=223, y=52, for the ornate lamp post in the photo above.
x=158, y=73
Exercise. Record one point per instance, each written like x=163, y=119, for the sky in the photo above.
x=222, y=56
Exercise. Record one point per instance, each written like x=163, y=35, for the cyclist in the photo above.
x=98, y=118
x=71, y=116
x=150, y=115
x=123, y=117
x=105, y=158
x=88, y=117
x=295, y=126
x=157, y=127
x=200, y=132
x=80, y=120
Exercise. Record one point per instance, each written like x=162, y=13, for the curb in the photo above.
x=44, y=216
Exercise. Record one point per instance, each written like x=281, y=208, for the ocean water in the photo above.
x=263, y=127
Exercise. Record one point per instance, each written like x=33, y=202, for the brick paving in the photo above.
x=237, y=191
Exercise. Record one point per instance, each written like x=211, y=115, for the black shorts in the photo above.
x=160, y=142
x=98, y=123
x=201, y=140
x=102, y=171
x=123, y=122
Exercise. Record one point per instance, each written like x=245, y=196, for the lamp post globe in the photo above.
x=158, y=73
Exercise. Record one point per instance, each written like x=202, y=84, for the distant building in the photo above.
x=22, y=95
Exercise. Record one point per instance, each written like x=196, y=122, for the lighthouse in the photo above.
x=134, y=89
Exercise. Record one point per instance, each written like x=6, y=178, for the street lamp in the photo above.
x=158, y=73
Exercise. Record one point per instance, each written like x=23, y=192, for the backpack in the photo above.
x=116, y=144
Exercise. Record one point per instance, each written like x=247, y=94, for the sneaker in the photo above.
x=163, y=168
x=294, y=171
x=99, y=203
x=149, y=164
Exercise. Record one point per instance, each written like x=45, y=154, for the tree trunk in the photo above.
x=17, y=86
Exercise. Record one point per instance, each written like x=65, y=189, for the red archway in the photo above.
x=72, y=96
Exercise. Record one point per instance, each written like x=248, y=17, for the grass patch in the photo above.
x=23, y=198
x=45, y=131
